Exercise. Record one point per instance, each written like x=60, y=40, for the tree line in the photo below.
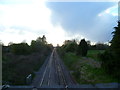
x=80, y=48
x=39, y=45
x=110, y=58
x=20, y=59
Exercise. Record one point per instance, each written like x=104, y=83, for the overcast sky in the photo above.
x=28, y=19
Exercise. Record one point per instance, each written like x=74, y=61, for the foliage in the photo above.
x=98, y=46
x=115, y=42
x=20, y=60
x=61, y=51
x=16, y=68
x=95, y=54
x=83, y=72
x=110, y=63
x=21, y=48
x=39, y=45
x=68, y=46
x=82, y=48
x=69, y=59
x=110, y=58
x=71, y=47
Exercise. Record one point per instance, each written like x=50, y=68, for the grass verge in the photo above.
x=85, y=73
x=94, y=54
x=70, y=59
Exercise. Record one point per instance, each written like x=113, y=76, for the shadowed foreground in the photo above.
x=53, y=74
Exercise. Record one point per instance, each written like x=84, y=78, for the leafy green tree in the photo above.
x=115, y=42
x=34, y=46
x=20, y=48
x=101, y=46
x=40, y=45
x=115, y=48
x=110, y=59
x=41, y=40
x=44, y=39
x=70, y=46
x=66, y=42
x=82, y=48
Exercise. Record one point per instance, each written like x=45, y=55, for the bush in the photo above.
x=21, y=48
x=71, y=47
x=23, y=60
x=82, y=48
x=110, y=63
x=110, y=58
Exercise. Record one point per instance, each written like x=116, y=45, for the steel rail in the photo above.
x=46, y=70
x=61, y=73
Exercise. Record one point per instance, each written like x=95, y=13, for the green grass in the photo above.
x=95, y=75
x=70, y=59
x=94, y=54
x=91, y=74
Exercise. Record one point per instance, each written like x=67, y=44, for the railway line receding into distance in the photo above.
x=53, y=73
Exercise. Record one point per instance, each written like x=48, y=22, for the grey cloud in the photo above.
x=80, y=18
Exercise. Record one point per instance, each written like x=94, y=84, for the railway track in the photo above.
x=60, y=73
x=47, y=68
x=54, y=73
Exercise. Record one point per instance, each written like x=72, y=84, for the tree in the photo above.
x=110, y=59
x=66, y=42
x=34, y=46
x=44, y=39
x=89, y=43
x=82, y=48
x=70, y=46
x=20, y=48
x=39, y=39
x=101, y=46
x=10, y=43
x=115, y=48
x=115, y=42
x=40, y=45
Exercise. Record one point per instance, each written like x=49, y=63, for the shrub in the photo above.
x=21, y=48
x=82, y=48
x=110, y=63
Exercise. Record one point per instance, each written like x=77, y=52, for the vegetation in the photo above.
x=110, y=58
x=70, y=46
x=95, y=54
x=70, y=59
x=98, y=46
x=20, y=60
x=82, y=48
x=107, y=57
x=86, y=71
x=21, y=48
